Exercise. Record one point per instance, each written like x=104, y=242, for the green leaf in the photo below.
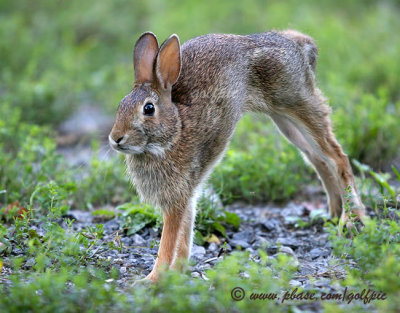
x=5, y=246
x=104, y=212
x=382, y=180
x=361, y=167
x=137, y=216
x=396, y=172
x=198, y=238
x=232, y=219
x=218, y=227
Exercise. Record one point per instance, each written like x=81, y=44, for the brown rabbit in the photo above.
x=176, y=123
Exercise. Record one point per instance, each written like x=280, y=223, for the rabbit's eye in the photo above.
x=148, y=109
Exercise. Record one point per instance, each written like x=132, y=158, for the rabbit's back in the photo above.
x=220, y=66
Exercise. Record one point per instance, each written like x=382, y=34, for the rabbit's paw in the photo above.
x=351, y=224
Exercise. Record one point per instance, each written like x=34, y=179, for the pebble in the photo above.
x=195, y=274
x=127, y=241
x=138, y=240
x=213, y=247
x=269, y=224
x=204, y=267
x=287, y=250
x=295, y=283
x=118, y=261
x=122, y=255
x=288, y=241
x=272, y=250
x=242, y=239
x=198, y=252
x=251, y=250
x=29, y=263
x=323, y=282
x=111, y=226
x=154, y=232
x=246, y=235
x=293, y=209
x=261, y=243
x=244, y=274
x=17, y=251
x=316, y=253
x=80, y=216
x=239, y=243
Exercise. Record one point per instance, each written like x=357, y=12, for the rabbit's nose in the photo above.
x=119, y=139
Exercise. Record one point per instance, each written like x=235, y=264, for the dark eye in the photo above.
x=149, y=109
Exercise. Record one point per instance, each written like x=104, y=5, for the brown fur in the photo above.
x=200, y=91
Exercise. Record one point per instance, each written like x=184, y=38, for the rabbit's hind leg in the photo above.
x=310, y=153
x=185, y=237
x=307, y=125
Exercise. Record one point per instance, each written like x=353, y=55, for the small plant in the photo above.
x=376, y=249
x=386, y=194
x=212, y=219
x=135, y=216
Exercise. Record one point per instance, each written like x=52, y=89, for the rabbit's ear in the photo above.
x=168, y=64
x=144, y=55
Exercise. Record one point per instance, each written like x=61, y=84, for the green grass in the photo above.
x=260, y=165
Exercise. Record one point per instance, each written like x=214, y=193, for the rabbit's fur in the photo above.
x=199, y=92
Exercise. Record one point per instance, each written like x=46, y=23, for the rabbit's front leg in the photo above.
x=173, y=220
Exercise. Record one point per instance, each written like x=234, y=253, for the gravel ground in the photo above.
x=270, y=228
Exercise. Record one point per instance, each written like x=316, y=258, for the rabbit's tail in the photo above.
x=307, y=45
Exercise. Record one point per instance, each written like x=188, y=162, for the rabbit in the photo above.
x=177, y=121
